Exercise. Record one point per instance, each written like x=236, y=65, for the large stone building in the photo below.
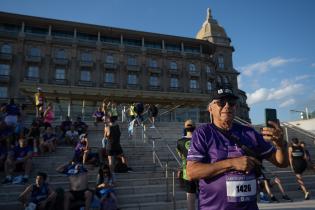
x=82, y=62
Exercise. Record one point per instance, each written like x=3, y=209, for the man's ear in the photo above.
x=209, y=108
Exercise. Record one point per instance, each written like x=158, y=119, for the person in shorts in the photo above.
x=183, y=145
x=39, y=194
x=298, y=163
x=153, y=112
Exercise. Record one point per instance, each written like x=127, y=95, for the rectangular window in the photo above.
x=62, y=34
x=33, y=72
x=109, y=78
x=60, y=74
x=132, y=61
x=154, y=81
x=3, y=92
x=36, y=30
x=87, y=37
x=110, y=40
x=174, y=82
x=85, y=75
x=132, y=79
x=4, y=69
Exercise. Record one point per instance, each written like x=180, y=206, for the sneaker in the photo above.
x=152, y=126
x=287, y=198
x=264, y=199
x=274, y=199
x=6, y=181
x=307, y=196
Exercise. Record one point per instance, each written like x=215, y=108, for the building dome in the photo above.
x=212, y=31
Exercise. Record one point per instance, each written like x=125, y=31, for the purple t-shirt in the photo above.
x=223, y=192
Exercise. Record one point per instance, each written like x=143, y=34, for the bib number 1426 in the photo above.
x=244, y=188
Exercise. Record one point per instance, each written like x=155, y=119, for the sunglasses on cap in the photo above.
x=222, y=102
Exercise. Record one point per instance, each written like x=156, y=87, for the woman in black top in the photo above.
x=297, y=158
x=113, y=147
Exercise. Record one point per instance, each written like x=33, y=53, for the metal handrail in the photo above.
x=299, y=130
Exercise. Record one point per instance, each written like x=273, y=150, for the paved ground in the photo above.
x=303, y=205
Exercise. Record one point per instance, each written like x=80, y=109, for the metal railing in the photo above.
x=157, y=159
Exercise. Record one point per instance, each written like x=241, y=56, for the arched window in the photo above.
x=173, y=65
x=209, y=85
x=219, y=80
x=153, y=63
x=192, y=67
x=208, y=69
x=109, y=59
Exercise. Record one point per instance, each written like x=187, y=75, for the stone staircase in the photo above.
x=147, y=188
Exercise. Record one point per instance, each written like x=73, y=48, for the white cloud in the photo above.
x=287, y=103
x=284, y=91
x=264, y=66
x=302, y=77
x=313, y=65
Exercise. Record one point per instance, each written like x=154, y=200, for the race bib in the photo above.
x=241, y=188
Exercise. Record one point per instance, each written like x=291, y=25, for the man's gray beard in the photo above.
x=227, y=124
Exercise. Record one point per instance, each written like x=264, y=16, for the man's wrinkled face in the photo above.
x=223, y=110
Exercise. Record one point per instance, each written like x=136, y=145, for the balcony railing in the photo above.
x=133, y=68
x=31, y=79
x=174, y=71
x=4, y=78
x=61, y=61
x=6, y=56
x=86, y=83
x=86, y=63
x=110, y=65
x=195, y=73
x=110, y=85
x=34, y=59
x=61, y=81
x=155, y=70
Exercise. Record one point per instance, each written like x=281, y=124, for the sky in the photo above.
x=273, y=39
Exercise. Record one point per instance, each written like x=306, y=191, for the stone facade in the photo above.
x=76, y=61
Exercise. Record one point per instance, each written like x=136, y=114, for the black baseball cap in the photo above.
x=224, y=93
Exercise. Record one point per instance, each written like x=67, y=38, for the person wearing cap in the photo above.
x=225, y=169
x=39, y=102
x=183, y=145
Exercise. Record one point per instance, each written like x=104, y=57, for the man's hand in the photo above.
x=244, y=163
x=274, y=134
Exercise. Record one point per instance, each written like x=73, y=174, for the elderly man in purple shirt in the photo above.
x=226, y=173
